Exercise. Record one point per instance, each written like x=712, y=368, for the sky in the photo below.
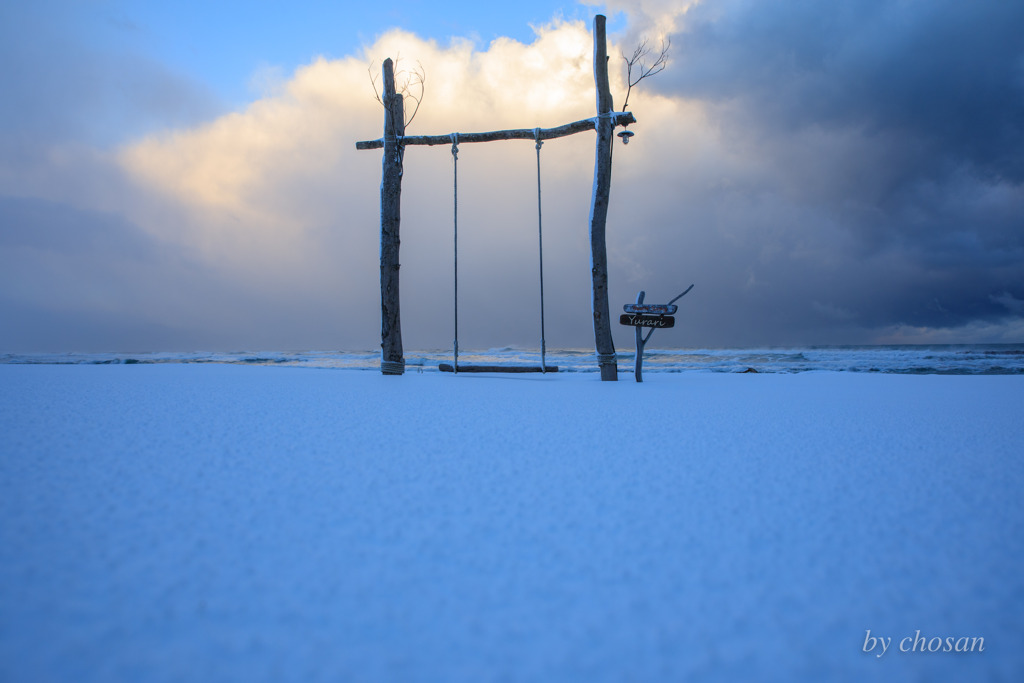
x=183, y=176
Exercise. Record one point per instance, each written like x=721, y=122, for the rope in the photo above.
x=540, y=242
x=455, y=230
x=390, y=367
x=606, y=358
x=455, y=221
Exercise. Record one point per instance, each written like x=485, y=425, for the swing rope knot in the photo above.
x=536, y=136
x=389, y=367
x=455, y=145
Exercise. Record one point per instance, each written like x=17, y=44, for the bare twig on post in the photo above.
x=411, y=81
x=409, y=84
x=637, y=67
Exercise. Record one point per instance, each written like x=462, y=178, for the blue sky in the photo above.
x=183, y=175
x=221, y=45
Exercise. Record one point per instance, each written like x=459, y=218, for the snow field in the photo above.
x=210, y=522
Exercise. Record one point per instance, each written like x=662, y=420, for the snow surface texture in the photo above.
x=215, y=523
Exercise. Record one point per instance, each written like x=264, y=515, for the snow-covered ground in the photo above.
x=209, y=522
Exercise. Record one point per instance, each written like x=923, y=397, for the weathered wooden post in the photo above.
x=599, y=207
x=640, y=343
x=392, y=360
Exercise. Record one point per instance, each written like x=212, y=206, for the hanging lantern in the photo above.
x=626, y=135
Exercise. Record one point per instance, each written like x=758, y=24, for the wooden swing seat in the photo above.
x=448, y=367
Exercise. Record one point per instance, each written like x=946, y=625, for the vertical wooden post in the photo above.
x=599, y=208
x=392, y=360
x=640, y=341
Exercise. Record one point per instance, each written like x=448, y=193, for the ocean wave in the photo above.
x=981, y=359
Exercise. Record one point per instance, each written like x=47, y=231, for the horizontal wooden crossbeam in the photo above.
x=619, y=118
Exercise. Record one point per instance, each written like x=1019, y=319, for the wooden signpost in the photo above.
x=654, y=316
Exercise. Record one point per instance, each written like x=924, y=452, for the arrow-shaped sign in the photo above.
x=661, y=309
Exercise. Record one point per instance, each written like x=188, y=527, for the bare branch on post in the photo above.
x=411, y=81
x=637, y=68
x=407, y=83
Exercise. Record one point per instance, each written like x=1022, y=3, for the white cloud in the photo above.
x=654, y=19
x=238, y=173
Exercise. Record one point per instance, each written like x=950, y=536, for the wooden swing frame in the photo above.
x=394, y=143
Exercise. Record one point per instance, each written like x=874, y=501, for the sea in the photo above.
x=946, y=359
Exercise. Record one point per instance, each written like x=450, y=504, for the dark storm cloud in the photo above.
x=947, y=75
x=896, y=128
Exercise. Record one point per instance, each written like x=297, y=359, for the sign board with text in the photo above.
x=642, y=320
